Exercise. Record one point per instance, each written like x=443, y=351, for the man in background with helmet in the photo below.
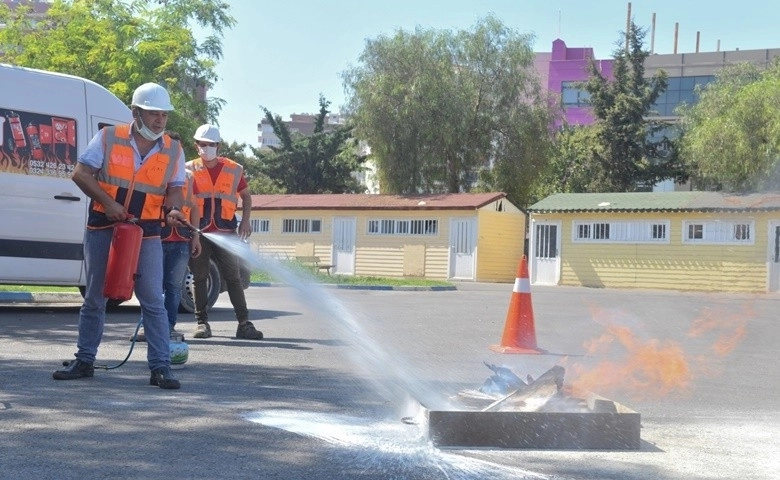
x=130, y=171
x=178, y=243
x=220, y=183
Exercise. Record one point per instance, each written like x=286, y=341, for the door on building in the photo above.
x=463, y=244
x=774, y=257
x=343, y=254
x=545, y=249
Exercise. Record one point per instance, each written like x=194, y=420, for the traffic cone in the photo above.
x=519, y=331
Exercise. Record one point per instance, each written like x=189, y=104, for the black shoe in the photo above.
x=76, y=369
x=163, y=378
x=247, y=331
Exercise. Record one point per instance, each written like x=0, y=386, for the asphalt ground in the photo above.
x=319, y=396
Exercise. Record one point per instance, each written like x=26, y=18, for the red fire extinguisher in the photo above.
x=16, y=130
x=123, y=261
x=35, y=141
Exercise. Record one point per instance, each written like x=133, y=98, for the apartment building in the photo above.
x=563, y=68
x=302, y=123
x=37, y=7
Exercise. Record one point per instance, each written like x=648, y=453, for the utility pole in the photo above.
x=628, y=26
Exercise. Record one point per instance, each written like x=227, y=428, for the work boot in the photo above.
x=76, y=369
x=140, y=336
x=163, y=378
x=202, y=330
x=248, y=331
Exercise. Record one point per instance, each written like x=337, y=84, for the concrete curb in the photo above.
x=49, y=297
x=369, y=287
x=39, y=297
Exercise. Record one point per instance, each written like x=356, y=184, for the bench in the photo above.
x=314, y=263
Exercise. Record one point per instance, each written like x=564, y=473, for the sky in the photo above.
x=282, y=55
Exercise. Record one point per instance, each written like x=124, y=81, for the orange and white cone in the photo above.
x=519, y=330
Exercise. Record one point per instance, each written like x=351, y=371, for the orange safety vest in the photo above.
x=190, y=201
x=141, y=191
x=219, y=199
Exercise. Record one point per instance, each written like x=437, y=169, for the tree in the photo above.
x=574, y=167
x=257, y=180
x=436, y=107
x=731, y=136
x=633, y=151
x=319, y=163
x=122, y=44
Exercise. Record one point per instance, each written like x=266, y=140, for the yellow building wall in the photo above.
x=289, y=245
x=376, y=255
x=403, y=255
x=500, y=243
x=673, y=265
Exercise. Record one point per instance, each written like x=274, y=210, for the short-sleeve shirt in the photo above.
x=94, y=154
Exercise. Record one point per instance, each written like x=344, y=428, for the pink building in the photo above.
x=561, y=69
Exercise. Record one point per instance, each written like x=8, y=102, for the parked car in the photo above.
x=46, y=120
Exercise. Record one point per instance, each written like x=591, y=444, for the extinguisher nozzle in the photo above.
x=192, y=227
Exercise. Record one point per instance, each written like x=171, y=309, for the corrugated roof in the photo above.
x=444, y=201
x=656, y=201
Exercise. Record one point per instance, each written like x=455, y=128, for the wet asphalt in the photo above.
x=318, y=397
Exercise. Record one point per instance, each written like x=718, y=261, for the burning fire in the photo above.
x=730, y=329
x=654, y=367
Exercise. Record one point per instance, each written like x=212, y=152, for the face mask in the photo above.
x=207, y=153
x=146, y=132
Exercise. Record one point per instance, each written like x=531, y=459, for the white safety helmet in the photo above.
x=151, y=96
x=207, y=133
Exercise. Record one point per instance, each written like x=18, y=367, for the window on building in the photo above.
x=403, y=227
x=741, y=231
x=695, y=231
x=714, y=231
x=260, y=225
x=601, y=231
x=658, y=231
x=680, y=90
x=622, y=232
x=301, y=225
x=571, y=96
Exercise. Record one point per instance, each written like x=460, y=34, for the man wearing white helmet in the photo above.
x=130, y=171
x=220, y=183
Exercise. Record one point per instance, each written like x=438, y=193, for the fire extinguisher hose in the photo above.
x=129, y=352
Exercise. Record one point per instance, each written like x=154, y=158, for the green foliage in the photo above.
x=437, y=107
x=732, y=134
x=259, y=183
x=571, y=169
x=319, y=163
x=411, y=282
x=632, y=151
x=122, y=44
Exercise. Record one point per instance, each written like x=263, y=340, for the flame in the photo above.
x=649, y=367
x=730, y=328
x=656, y=367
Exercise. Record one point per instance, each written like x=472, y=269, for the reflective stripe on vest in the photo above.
x=219, y=198
x=151, y=179
x=141, y=191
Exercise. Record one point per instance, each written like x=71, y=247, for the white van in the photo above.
x=46, y=120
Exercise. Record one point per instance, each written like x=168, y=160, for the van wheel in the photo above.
x=213, y=283
x=111, y=305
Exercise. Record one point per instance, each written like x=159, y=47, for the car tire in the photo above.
x=213, y=284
